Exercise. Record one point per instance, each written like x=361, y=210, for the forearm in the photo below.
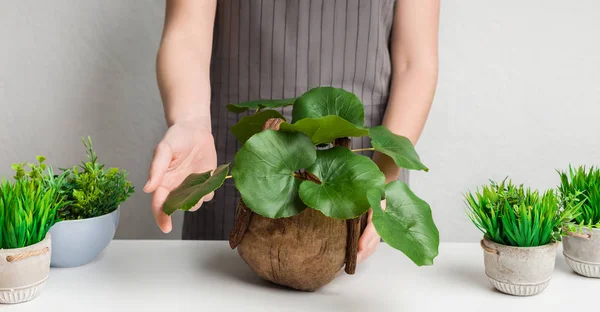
x=414, y=48
x=183, y=62
x=409, y=103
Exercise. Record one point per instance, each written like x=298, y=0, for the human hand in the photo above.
x=186, y=148
x=369, y=240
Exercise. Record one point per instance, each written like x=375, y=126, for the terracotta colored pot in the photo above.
x=23, y=271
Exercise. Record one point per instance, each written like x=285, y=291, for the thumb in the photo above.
x=160, y=162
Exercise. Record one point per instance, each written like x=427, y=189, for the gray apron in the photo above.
x=267, y=49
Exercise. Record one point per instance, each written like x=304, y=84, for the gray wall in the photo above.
x=517, y=95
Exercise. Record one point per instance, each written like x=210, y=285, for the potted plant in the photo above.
x=28, y=207
x=581, y=246
x=87, y=225
x=305, y=193
x=522, y=229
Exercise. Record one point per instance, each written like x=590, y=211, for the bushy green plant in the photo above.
x=513, y=215
x=584, y=184
x=280, y=173
x=93, y=190
x=28, y=205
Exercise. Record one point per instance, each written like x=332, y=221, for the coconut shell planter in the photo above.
x=305, y=193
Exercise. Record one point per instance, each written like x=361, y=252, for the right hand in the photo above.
x=186, y=148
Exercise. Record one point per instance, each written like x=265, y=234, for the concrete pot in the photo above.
x=582, y=252
x=79, y=242
x=23, y=271
x=519, y=271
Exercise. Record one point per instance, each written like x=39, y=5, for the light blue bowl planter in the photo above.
x=79, y=242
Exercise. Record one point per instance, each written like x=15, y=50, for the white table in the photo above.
x=200, y=276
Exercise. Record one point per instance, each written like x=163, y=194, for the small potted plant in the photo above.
x=28, y=207
x=305, y=193
x=581, y=246
x=522, y=230
x=87, y=225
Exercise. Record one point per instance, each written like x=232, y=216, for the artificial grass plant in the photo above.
x=514, y=215
x=584, y=184
x=28, y=204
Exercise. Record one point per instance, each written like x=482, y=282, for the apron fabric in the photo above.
x=273, y=49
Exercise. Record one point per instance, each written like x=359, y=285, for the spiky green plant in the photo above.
x=28, y=204
x=584, y=184
x=92, y=189
x=517, y=216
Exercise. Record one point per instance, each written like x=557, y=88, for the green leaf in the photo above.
x=263, y=172
x=259, y=104
x=325, y=129
x=193, y=188
x=406, y=224
x=325, y=101
x=399, y=148
x=250, y=125
x=345, y=179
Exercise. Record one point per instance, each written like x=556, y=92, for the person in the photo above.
x=216, y=52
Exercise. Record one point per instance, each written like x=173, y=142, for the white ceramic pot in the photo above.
x=582, y=252
x=519, y=271
x=23, y=271
x=79, y=242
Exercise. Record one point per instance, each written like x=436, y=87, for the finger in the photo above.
x=369, y=250
x=365, y=242
x=197, y=206
x=159, y=165
x=208, y=197
x=162, y=219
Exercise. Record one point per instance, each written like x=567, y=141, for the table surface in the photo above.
x=208, y=276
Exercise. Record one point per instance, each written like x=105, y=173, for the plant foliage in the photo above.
x=513, y=215
x=584, y=184
x=281, y=173
x=28, y=205
x=93, y=190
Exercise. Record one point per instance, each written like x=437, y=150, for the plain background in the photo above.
x=517, y=96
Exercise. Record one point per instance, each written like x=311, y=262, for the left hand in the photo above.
x=369, y=240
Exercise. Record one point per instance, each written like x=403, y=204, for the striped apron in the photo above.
x=271, y=49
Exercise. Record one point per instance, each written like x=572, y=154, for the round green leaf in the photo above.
x=406, y=223
x=263, y=172
x=399, y=148
x=345, y=179
x=325, y=101
x=325, y=129
x=250, y=125
x=193, y=188
x=259, y=104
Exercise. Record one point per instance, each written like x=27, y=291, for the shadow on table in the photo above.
x=473, y=277
x=228, y=265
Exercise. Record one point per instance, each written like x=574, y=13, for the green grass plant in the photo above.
x=28, y=204
x=584, y=184
x=514, y=215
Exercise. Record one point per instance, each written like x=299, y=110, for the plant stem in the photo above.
x=363, y=149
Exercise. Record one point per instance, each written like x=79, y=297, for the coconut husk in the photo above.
x=303, y=252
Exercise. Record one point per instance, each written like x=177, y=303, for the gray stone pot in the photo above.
x=519, y=271
x=582, y=252
x=78, y=242
x=24, y=271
